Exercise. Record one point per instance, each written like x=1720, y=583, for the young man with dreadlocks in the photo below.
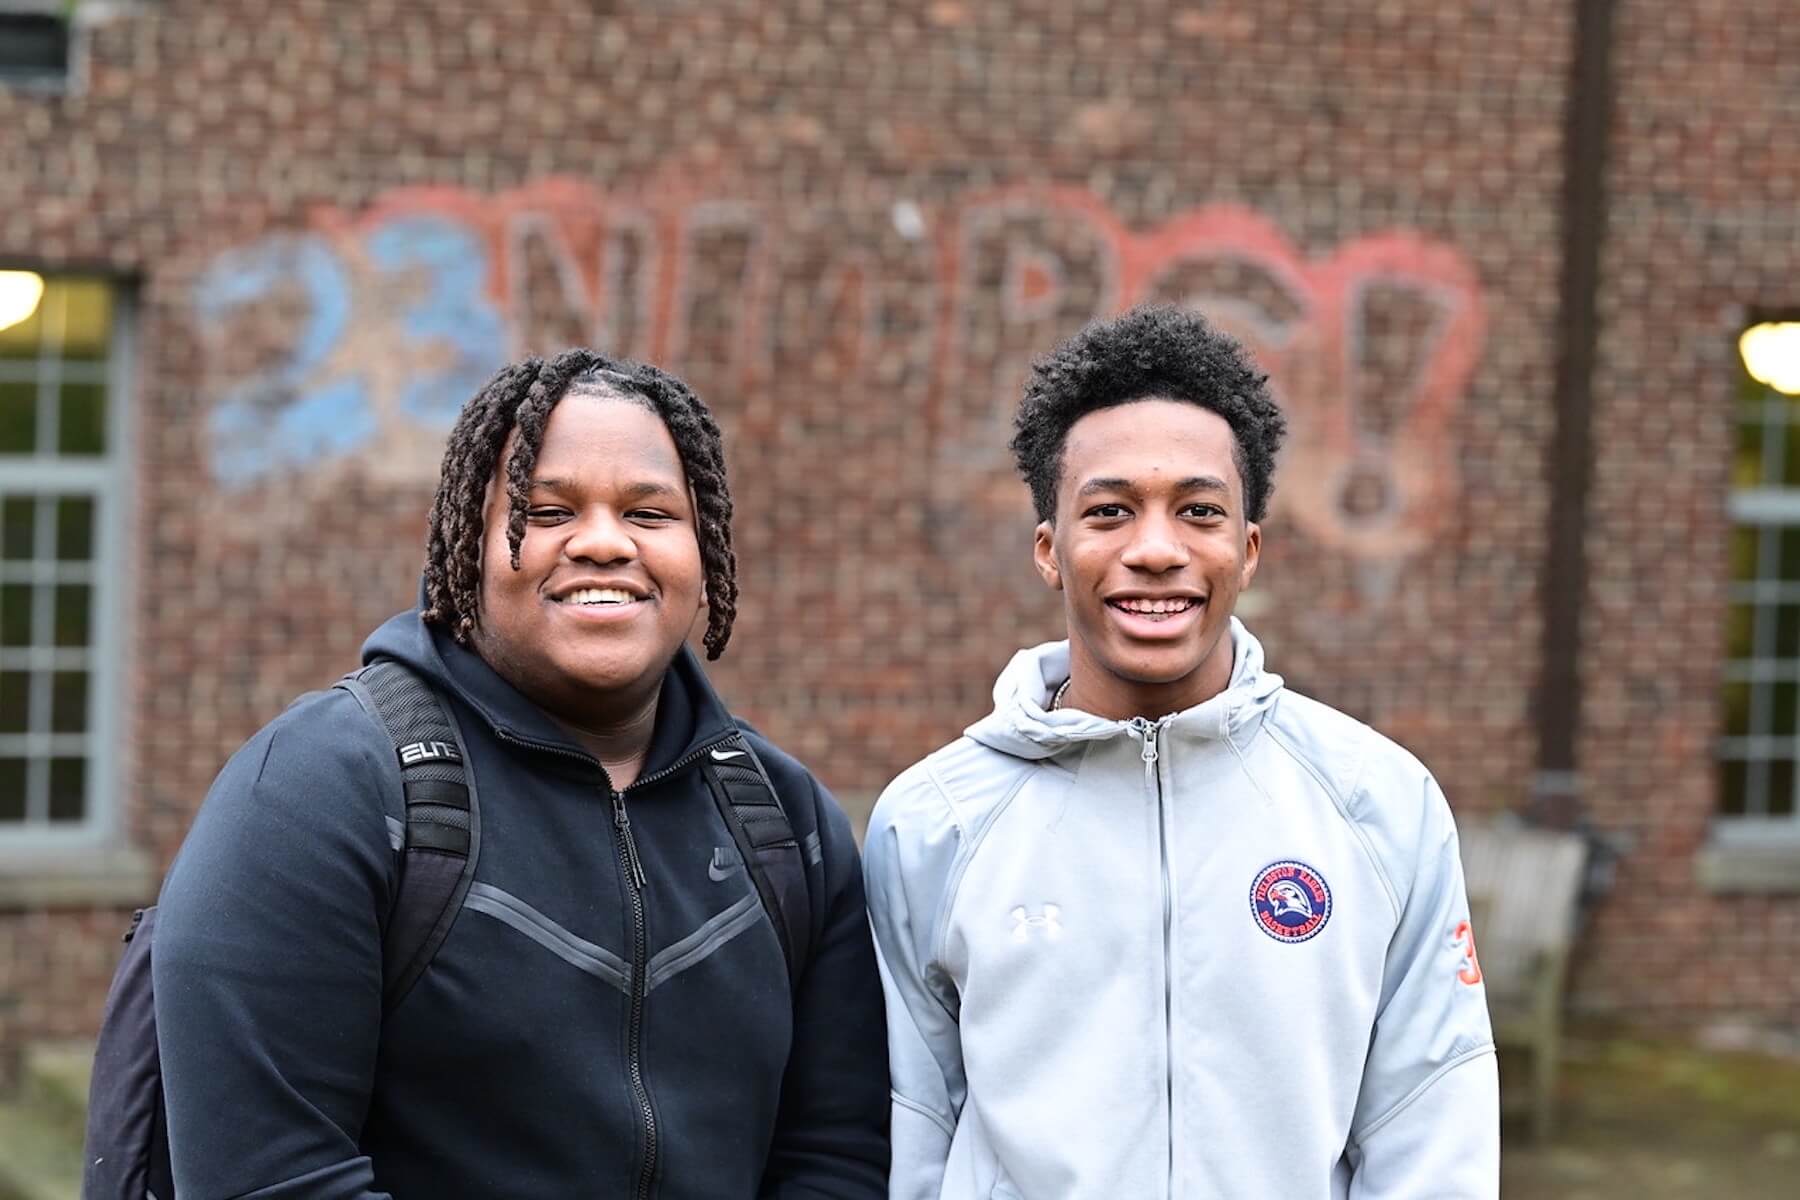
x=1159, y=927
x=611, y=1013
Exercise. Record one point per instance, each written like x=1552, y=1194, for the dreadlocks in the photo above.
x=520, y=397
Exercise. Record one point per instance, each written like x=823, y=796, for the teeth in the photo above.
x=599, y=596
x=1178, y=604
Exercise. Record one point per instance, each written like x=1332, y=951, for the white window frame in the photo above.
x=107, y=479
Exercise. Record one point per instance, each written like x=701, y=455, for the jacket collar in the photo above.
x=689, y=713
x=1023, y=725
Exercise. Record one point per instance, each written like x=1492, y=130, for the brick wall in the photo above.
x=849, y=225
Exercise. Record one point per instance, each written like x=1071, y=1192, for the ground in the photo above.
x=1663, y=1120
x=1640, y=1119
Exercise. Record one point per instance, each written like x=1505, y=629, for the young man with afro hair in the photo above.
x=1157, y=926
x=615, y=1011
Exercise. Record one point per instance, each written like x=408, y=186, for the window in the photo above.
x=34, y=41
x=61, y=492
x=1761, y=745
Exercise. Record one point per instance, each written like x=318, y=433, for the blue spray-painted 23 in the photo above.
x=312, y=408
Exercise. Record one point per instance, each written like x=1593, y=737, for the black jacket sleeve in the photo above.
x=267, y=961
x=831, y=1138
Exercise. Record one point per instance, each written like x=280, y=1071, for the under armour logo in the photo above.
x=1050, y=921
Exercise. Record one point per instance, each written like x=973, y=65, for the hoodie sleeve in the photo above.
x=267, y=962
x=831, y=1133
x=911, y=848
x=1427, y=1120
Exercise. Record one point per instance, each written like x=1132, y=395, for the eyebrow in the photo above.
x=1193, y=483
x=635, y=491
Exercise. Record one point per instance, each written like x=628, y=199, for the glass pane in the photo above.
x=1731, y=787
x=82, y=429
x=18, y=525
x=1782, y=718
x=1781, y=787
x=1787, y=631
x=1790, y=552
x=74, y=528
x=72, y=601
x=1737, y=709
x=87, y=318
x=15, y=701
x=15, y=614
x=1746, y=468
x=68, y=702
x=18, y=417
x=20, y=342
x=1743, y=553
x=12, y=789
x=1739, y=626
x=68, y=788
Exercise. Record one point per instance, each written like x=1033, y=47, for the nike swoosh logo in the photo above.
x=722, y=866
x=727, y=755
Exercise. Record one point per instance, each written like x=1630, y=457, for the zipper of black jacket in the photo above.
x=633, y=867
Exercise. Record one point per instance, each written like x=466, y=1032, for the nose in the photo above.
x=1155, y=546
x=598, y=536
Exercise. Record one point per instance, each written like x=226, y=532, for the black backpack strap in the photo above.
x=443, y=819
x=765, y=837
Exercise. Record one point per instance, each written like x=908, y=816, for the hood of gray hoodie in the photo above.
x=1023, y=726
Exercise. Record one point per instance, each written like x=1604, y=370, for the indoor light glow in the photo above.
x=1772, y=354
x=20, y=292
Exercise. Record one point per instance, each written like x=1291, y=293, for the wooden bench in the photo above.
x=1523, y=887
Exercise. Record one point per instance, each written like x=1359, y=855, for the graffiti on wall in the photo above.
x=355, y=340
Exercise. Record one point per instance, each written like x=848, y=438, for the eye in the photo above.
x=546, y=514
x=654, y=516
x=1107, y=512
x=1204, y=512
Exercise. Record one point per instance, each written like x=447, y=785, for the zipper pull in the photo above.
x=631, y=854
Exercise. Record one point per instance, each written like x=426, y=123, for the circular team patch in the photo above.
x=1290, y=901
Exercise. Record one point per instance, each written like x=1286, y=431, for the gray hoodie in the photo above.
x=1224, y=954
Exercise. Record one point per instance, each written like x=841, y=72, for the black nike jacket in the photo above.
x=507, y=1070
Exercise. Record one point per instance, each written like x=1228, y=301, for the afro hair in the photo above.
x=1152, y=352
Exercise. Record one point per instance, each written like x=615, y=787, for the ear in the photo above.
x=1043, y=554
x=1252, y=554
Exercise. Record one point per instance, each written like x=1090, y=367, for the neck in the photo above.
x=619, y=745
x=1104, y=693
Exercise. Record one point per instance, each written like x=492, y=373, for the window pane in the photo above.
x=68, y=702
x=18, y=526
x=1731, y=787
x=1781, y=787
x=1787, y=631
x=18, y=417
x=68, y=788
x=87, y=319
x=74, y=529
x=1747, y=468
x=1737, y=709
x=15, y=614
x=15, y=701
x=1739, y=626
x=12, y=789
x=1743, y=552
x=1782, y=719
x=72, y=614
x=82, y=429
x=20, y=342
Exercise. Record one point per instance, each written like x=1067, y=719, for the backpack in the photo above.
x=127, y=1151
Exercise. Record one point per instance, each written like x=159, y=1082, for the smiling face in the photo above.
x=610, y=577
x=1150, y=547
